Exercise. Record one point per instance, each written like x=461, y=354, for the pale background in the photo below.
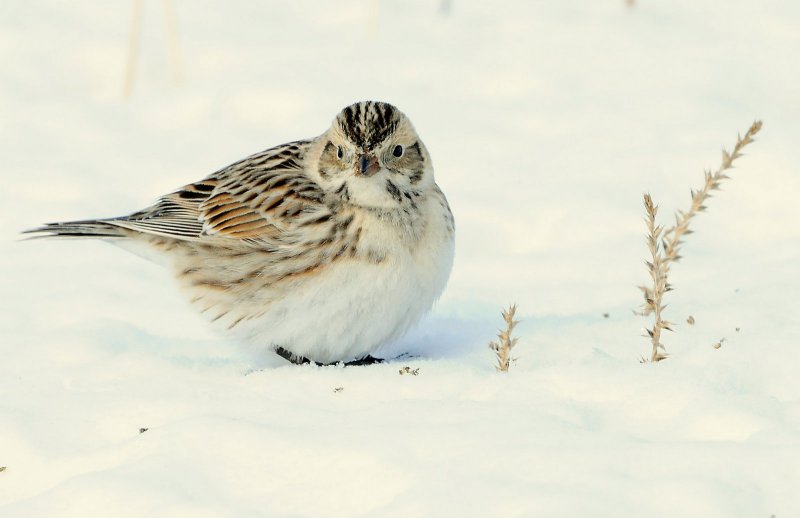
x=546, y=122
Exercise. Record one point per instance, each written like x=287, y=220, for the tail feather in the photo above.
x=96, y=228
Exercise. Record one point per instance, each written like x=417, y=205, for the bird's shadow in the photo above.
x=438, y=337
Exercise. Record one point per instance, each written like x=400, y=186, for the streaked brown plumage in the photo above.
x=249, y=240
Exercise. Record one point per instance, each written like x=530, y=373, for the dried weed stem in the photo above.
x=505, y=342
x=664, y=245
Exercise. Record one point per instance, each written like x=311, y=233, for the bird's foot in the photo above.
x=293, y=358
x=302, y=360
x=366, y=360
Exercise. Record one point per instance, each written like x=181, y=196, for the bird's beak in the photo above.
x=368, y=164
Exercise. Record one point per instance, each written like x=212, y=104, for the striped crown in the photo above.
x=368, y=123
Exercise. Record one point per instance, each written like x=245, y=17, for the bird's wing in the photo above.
x=256, y=199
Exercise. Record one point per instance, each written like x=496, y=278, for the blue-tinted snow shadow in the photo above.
x=463, y=330
x=439, y=337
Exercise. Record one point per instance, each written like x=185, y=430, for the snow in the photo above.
x=546, y=122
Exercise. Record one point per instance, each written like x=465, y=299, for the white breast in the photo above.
x=354, y=307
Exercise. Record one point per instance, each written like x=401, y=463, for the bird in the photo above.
x=321, y=250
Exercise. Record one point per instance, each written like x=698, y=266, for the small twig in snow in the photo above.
x=505, y=342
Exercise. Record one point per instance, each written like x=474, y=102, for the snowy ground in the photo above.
x=547, y=121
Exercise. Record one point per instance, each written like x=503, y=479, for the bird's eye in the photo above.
x=398, y=151
x=339, y=152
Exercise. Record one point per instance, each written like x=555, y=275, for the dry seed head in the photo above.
x=506, y=342
x=664, y=244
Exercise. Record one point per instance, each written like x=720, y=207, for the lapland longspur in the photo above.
x=322, y=249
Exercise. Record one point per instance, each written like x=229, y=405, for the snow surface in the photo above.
x=546, y=121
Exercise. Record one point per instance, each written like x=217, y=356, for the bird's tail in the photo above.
x=97, y=228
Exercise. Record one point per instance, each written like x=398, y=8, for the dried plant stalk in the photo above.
x=505, y=342
x=672, y=237
x=664, y=245
x=658, y=267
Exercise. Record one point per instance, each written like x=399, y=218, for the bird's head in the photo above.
x=373, y=156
